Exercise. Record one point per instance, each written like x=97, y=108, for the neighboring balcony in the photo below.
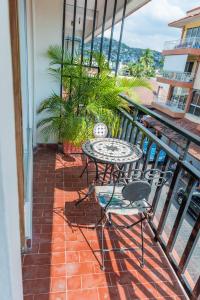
x=182, y=79
x=172, y=107
x=182, y=46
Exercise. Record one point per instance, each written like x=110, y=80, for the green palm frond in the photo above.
x=129, y=83
x=92, y=99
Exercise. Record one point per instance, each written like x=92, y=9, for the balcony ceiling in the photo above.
x=132, y=5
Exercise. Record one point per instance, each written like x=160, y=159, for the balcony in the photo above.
x=182, y=79
x=183, y=46
x=170, y=107
x=65, y=260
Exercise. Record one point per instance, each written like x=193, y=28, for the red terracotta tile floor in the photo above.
x=64, y=262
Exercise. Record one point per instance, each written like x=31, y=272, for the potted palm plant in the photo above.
x=85, y=100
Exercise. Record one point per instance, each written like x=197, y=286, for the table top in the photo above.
x=110, y=150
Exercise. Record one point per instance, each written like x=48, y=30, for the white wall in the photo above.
x=175, y=63
x=10, y=257
x=27, y=114
x=46, y=29
x=197, y=79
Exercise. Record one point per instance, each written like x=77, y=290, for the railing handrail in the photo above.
x=166, y=159
x=162, y=145
x=163, y=98
x=184, y=42
x=184, y=132
x=177, y=75
x=184, y=39
x=177, y=72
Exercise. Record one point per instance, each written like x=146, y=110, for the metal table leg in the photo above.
x=91, y=187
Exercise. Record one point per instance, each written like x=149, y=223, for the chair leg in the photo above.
x=142, y=244
x=102, y=245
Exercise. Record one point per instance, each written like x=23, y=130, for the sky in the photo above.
x=148, y=27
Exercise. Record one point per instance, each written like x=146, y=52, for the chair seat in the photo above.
x=119, y=205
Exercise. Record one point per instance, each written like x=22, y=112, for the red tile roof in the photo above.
x=146, y=97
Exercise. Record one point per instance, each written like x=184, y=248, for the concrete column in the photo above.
x=188, y=101
x=170, y=93
x=10, y=254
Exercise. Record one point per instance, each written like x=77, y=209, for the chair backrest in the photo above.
x=136, y=191
x=157, y=176
x=100, y=130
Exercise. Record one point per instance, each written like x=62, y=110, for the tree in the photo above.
x=144, y=67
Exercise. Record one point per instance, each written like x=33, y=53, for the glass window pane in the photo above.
x=194, y=32
x=188, y=33
x=191, y=110
x=194, y=98
x=198, y=33
x=198, y=100
x=197, y=111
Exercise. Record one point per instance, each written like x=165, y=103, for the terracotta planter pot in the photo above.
x=69, y=148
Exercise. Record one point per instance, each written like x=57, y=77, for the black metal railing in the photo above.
x=169, y=218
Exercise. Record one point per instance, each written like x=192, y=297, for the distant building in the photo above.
x=181, y=71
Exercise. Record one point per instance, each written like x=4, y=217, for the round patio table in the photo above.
x=111, y=152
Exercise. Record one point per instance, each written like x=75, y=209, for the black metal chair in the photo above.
x=128, y=196
x=100, y=130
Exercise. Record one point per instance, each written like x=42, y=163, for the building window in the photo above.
x=193, y=32
x=195, y=104
x=179, y=97
x=189, y=66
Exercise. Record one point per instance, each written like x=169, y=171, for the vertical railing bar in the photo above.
x=135, y=114
x=136, y=135
x=170, y=197
x=183, y=156
x=159, y=189
x=196, y=290
x=155, y=162
x=120, y=39
x=74, y=30
x=112, y=30
x=192, y=241
x=103, y=28
x=147, y=156
x=82, y=49
x=180, y=216
x=131, y=132
x=125, y=129
x=83, y=33
x=63, y=44
x=141, y=146
x=121, y=126
x=156, y=159
x=128, y=131
x=70, y=87
x=142, y=140
x=156, y=198
x=93, y=31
